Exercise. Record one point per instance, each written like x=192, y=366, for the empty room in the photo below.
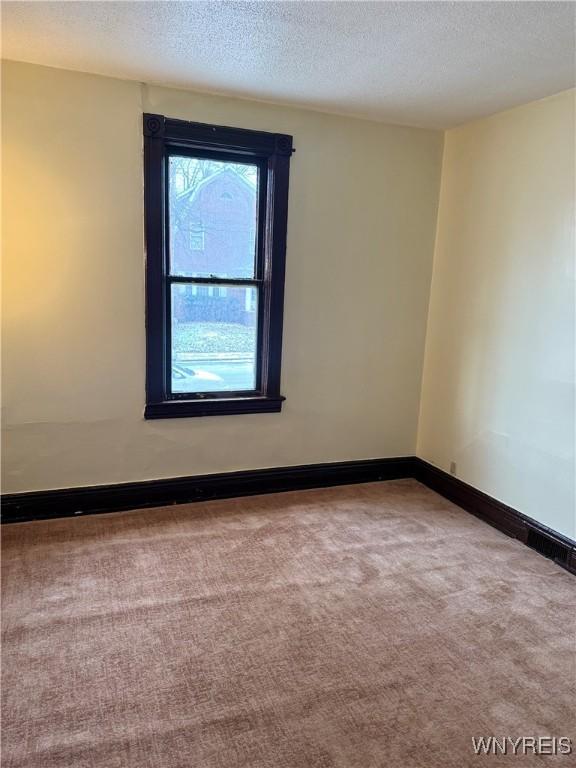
x=288, y=367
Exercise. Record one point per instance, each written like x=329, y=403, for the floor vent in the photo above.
x=547, y=546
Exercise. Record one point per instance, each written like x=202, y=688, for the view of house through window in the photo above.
x=213, y=224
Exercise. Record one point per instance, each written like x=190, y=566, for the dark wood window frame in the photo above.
x=271, y=152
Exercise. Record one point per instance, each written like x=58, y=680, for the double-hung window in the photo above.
x=216, y=203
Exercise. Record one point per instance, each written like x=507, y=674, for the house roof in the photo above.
x=193, y=193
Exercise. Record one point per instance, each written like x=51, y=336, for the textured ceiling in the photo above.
x=433, y=64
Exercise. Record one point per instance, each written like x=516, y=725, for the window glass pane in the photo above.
x=214, y=338
x=212, y=209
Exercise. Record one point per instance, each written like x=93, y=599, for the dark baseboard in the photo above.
x=548, y=542
x=43, y=505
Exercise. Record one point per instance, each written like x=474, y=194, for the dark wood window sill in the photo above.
x=173, y=409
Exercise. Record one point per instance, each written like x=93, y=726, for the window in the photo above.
x=197, y=239
x=216, y=202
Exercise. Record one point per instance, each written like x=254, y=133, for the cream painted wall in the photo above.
x=363, y=206
x=498, y=388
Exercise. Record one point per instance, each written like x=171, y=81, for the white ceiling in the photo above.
x=434, y=64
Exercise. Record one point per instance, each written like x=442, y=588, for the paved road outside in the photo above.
x=213, y=375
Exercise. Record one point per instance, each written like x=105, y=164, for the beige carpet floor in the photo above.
x=357, y=627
